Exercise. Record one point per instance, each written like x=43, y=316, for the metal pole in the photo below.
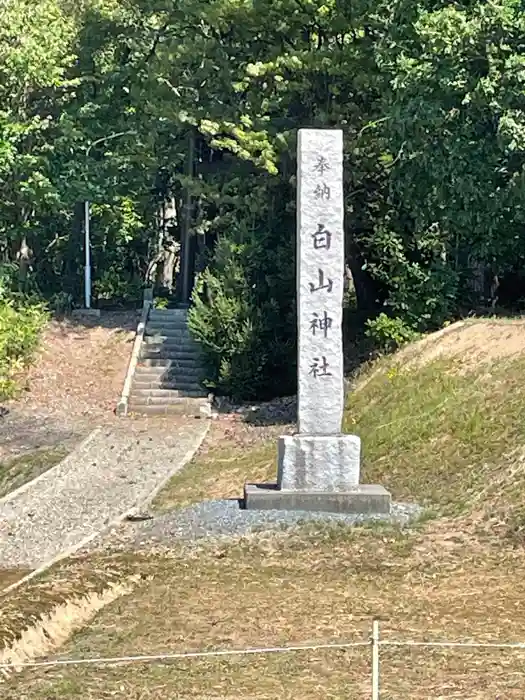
x=87, y=267
x=375, y=660
x=186, y=242
x=87, y=242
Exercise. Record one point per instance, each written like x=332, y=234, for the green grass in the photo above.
x=220, y=473
x=450, y=440
x=20, y=470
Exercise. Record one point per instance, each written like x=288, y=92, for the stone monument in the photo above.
x=318, y=467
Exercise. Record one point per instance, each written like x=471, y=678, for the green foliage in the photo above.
x=240, y=321
x=389, y=334
x=61, y=303
x=8, y=274
x=101, y=99
x=20, y=328
x=117, y=286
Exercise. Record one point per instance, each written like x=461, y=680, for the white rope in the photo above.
x=256, y=650
x=181, y=656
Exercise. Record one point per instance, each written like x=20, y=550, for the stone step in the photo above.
x=184, y=407
x=155, y=396
x=168, y=313
x=170, y=374
x=155, y=338
x=169, y=326
x=167, y=381
x=171, y=343
x=166, y=331
x=158, y=374
x=172, y=354
x=142, y=388
x=167, y=362
x=185, y=359
x=189, y=384
x=175, y=370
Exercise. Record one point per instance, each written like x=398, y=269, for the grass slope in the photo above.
x=451, y=439
x=446, y=431
x=19, y=471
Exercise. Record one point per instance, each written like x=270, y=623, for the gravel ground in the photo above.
x=22, y=433
x=226, y=519
x=115, y=470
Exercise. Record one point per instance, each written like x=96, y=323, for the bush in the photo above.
x=20, y=328
x=388, y=334
x=243, y=317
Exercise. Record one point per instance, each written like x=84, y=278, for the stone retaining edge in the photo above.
x=116, y=521
x=122, y=406
x=45, y=474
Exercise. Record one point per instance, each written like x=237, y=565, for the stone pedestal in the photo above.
x=318, y=468
x=318, y=462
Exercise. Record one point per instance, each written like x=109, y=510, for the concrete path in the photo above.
x=114, y=471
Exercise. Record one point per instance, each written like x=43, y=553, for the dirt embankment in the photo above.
x=73, y=385
x=472, y=342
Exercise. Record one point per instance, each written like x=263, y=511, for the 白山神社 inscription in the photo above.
x=320, y=279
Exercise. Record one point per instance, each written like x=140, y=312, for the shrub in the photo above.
x=243, y=317
x=20, y=327
x=389, y=333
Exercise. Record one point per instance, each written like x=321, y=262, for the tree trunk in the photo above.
x=24, y=258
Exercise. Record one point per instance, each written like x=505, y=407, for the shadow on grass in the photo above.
x=117, y=319
x=20, y=470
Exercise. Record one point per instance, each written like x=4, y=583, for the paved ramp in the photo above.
x=112, y=472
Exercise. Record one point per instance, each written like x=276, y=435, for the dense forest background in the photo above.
x=172, y=113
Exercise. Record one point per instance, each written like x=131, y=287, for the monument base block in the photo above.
x=318, y=462
x=364, y=499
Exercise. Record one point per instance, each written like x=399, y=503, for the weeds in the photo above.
x=20, y=328
x=20, y=470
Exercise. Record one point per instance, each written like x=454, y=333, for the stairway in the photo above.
x=169, y=369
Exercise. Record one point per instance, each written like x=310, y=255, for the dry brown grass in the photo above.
x=317, y=586
x=474, y=342
x=453, y=440
x=73, y=385
x=10, y=576
x=473, y=345
x=25, y=606
x=56, y=626
x=82, y=365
